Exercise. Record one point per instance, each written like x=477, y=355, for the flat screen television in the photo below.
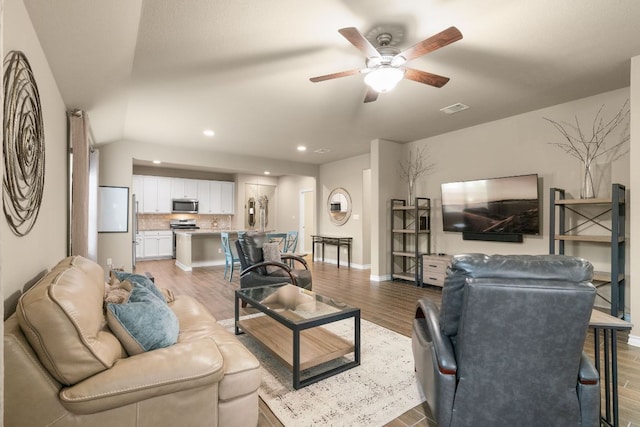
x=508, y=205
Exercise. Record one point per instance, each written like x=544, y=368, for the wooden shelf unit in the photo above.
x=410, y=238
x=613, y=209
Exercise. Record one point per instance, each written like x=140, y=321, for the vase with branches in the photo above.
x=414, y=167
x=587, y=147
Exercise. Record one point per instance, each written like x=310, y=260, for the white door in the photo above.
x=307, y=218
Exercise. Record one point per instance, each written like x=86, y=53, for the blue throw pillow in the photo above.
x=144, y=322
x=140, y=280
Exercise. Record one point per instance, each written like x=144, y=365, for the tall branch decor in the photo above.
x=414, y=167
x=587, y=147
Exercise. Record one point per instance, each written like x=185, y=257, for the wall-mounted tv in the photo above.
x=495, y=205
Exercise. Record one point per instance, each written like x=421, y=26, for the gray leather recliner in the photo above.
x=506, y=346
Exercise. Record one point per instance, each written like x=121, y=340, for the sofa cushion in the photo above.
x=143, y=322
x=477, y=266
x=62, y=318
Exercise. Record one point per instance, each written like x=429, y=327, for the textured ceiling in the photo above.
x=161, y=71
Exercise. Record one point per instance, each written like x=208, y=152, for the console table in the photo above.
x=608, y=325
x=331, y=240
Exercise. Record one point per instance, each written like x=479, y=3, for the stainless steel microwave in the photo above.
x=184, y=206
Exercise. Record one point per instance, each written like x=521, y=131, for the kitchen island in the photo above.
x=201, y=248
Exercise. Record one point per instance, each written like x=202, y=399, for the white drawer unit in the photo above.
x=434, y=269
x=158, y=244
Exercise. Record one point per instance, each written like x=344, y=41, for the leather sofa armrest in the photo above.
x=167, y=370
x=443, y=348
x=285, y=267
x=295, y=258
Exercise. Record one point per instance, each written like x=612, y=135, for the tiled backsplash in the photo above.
x=161, y=221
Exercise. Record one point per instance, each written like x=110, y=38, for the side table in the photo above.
x=609, y=325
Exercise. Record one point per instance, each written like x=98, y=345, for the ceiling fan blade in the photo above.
x=358, y=40
x=335, y=75
x=443, y=38
x=424, y=77
x=371, y=95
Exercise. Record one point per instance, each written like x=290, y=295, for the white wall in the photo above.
x=289, y=188
x=25, y=259
x=347, y=174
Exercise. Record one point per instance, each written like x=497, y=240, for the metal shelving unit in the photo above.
x=410, y=238
x=613, y=209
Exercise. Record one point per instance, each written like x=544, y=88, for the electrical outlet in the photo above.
x=219, y=250
x=109, y=261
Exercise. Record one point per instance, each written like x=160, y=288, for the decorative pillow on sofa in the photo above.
x=119, y=276
x=144, y=322
x=271, y=252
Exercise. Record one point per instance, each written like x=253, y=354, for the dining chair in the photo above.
x=230, y=260
x=291, y=242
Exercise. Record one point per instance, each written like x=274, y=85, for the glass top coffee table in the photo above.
x=290, y=328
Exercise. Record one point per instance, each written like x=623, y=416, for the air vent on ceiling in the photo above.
x=452, y=109
x=321, y=151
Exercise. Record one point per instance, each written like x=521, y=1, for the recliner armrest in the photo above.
x=442, y=344
x=182, y=366
x=587, y=373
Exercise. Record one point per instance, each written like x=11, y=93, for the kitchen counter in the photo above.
x=200, y=248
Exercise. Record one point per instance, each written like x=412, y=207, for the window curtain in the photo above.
x=83, y=188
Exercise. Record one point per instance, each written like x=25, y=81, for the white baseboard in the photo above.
x=344, y=263
x=383, y=278
x=634, y=340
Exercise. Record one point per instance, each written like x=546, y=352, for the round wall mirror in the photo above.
x=339, y=206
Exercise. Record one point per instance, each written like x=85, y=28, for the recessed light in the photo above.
x=302, y=148
x=156, y=162
x=208, y=132
x=267, y=173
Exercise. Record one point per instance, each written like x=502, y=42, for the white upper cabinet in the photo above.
x=227, y=205
x=156, y=194
x=182, y=188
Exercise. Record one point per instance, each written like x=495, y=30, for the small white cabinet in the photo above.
x=216, y=197
x=158, y=244
x=156, y=194
x=182, y=188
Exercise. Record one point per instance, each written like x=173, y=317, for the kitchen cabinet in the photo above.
x=158, y=244
x=138, y=187
x=182, y=188
x=156, y=197
x=216, y=197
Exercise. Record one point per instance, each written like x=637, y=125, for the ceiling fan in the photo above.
x=384, y=66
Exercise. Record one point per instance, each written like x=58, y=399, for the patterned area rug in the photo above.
x=382, y=388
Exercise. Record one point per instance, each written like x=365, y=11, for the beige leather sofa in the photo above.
x=64, y=367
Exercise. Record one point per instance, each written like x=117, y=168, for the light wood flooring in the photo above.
x=388, y=304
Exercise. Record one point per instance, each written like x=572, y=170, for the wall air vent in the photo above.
x=452, y=109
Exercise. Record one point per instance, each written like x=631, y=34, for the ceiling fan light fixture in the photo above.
x=384, y=79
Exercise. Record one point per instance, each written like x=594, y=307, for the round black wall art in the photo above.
x=23, y=147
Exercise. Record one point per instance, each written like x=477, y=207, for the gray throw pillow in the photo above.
x=271, y=252
x=144, y=322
